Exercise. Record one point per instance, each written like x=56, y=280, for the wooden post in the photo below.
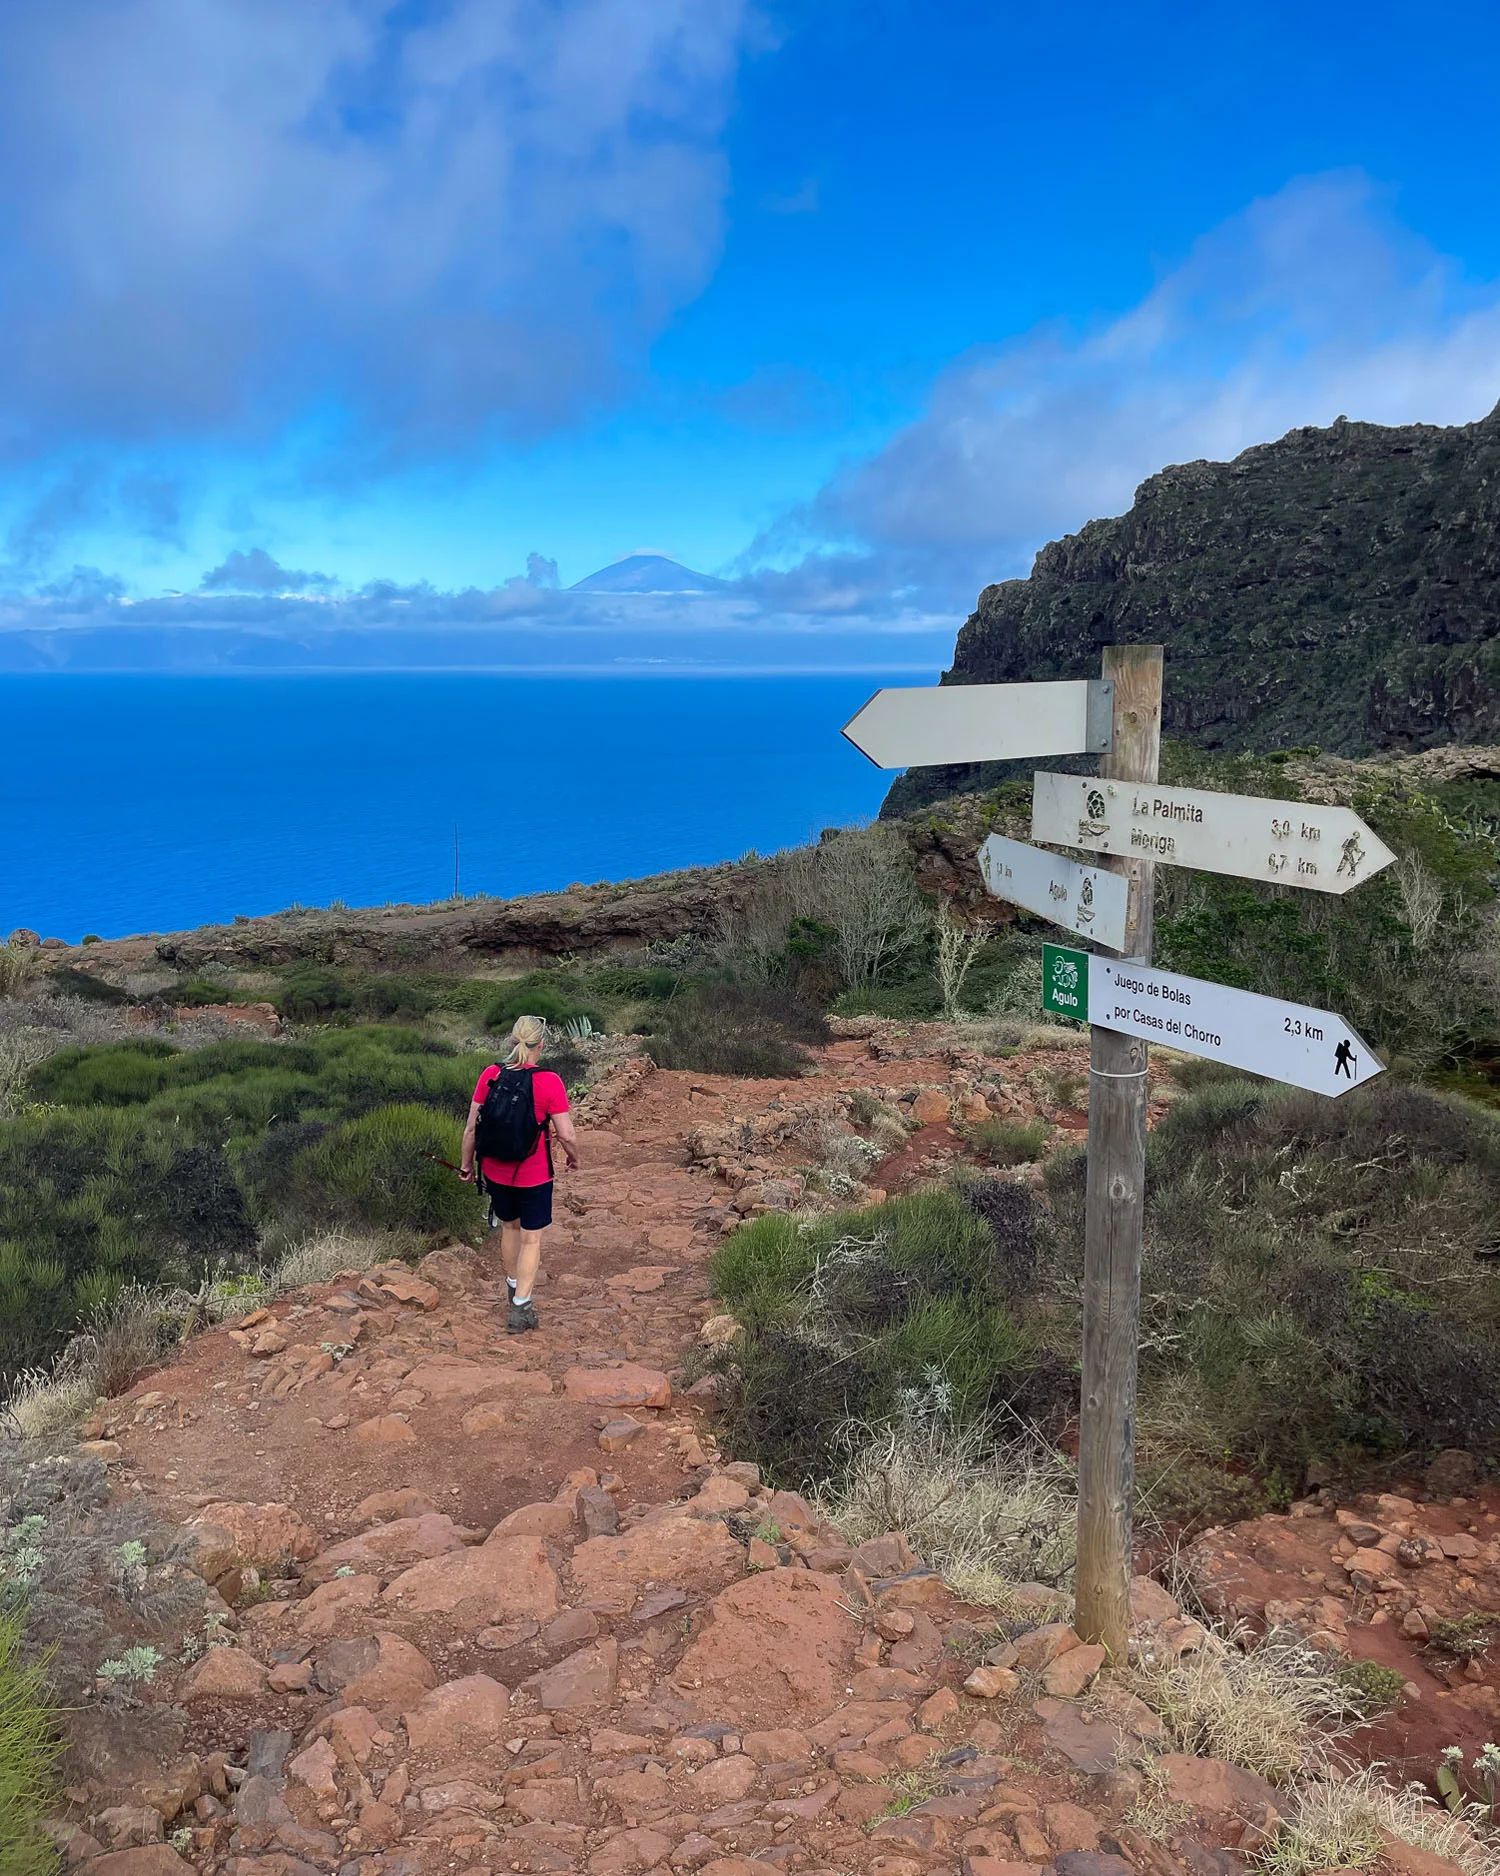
x=1114, y=1208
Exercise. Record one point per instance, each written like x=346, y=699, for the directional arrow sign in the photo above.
x=1079, y=898
x=1284, y=1041
x=1286, y=843
x=899, y=729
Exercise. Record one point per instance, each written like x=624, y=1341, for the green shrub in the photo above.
x=392, y=997
x=118, y=1074
x=93, y=1200
x=28, y=1753
x=918, y=1001
x=198, y=993
x=1372, y=1688
x=150, y=1163
x=314, y=994
x=635, y=983
x=557, y=1000
x=1313, y=1279
x=896, y=1310
x=1010, y=1142
x=234, y=1087
x=737, y=1029
x=1192, y=1071
x=376, y=1170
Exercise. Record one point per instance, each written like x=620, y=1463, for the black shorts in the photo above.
x=530, y=1207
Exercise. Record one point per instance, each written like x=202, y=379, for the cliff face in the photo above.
x=1339, y=588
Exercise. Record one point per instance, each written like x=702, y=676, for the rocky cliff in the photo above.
x=1339, y=588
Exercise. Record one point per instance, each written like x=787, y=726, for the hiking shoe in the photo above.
x=522, y=1317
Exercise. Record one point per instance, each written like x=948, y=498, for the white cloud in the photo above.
x=1309, y=304
x=87, y=622
x=216, y=215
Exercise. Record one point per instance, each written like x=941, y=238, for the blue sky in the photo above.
x=855, y=304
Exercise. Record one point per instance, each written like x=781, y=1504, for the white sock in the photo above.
x=510, y=1284
x=519, y=1300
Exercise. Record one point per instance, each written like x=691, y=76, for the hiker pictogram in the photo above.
x=1343, y=1059
x=1351, y=856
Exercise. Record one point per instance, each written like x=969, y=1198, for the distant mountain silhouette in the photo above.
x=647, y=573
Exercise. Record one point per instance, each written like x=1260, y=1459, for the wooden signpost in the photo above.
x=1114, y=1207
x=1130, y=823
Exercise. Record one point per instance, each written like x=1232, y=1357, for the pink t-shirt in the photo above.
x=549, y=1097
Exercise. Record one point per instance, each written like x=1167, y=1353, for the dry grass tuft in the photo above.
x=988, y=1517
x=19, y=967
x=1272, y=1705
x=141, y=1326
x=1340, y=1822
x=136, y=1328
x=315, y=1259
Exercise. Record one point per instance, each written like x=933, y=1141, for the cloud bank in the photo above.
x=422, y=223
x=1309, y=304
x=252, y=616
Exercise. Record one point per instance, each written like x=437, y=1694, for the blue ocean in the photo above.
x=138, y=803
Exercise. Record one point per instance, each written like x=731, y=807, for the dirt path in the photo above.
x=494, y=1602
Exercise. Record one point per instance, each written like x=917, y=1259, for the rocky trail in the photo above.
x=495, y=1602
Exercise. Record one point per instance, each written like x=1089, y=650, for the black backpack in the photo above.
x=508, y=1129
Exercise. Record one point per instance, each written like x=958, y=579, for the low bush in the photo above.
x=1315, y=1280
x=635, y=983
x=152, y=1165
x=556, y=999
x=1015, y=1225
x=378, y=1170
x=1011, y=1142
x=84, y=1579
x=68, y=981
x=720, y=1028
x=115, y=1075
x=197, y=993
x=867, y=1318
x=312, y=994
x=93, y=1200
x=392, y=999
x=919, y=1000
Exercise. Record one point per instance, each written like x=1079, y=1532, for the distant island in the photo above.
x=648, y=573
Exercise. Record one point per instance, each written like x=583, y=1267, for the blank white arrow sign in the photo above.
x=913, y=729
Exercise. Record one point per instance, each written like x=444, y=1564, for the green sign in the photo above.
x=1065, y=982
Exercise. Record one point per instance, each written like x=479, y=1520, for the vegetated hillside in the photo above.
x=1338, y=588
x=178, y=1111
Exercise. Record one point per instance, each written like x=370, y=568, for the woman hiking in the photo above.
x=516, y=1109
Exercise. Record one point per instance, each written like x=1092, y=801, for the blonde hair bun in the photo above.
x=527, y=1034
